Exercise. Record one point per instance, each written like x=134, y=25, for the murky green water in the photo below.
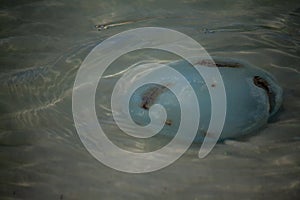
x=42, y=46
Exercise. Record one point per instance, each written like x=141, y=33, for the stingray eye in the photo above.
x=262, y=83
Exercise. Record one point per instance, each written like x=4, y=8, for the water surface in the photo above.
x=42, y=46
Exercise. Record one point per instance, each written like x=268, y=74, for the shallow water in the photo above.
x=42, y=46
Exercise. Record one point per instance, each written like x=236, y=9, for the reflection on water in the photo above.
x=42, y=46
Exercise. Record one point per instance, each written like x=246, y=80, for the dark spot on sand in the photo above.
x=101, y=27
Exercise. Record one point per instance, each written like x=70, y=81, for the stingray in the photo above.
x=253, y=97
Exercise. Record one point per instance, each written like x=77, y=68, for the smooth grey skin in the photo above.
x=253, y=96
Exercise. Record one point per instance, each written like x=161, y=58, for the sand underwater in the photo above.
x=43, y=44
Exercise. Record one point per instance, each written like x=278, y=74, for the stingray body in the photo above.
x=252, y=95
